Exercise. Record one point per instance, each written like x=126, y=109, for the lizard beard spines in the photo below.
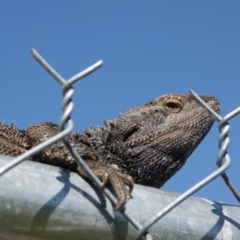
x=13, y=135
x=172, y=136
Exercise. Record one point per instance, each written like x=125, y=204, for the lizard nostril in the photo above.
x=212, y=102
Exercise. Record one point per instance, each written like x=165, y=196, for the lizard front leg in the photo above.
x=58, y=155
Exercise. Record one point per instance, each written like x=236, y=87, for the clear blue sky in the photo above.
x=149, y=48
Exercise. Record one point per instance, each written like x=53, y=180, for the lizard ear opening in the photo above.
x=173, y=105
x=130, y=130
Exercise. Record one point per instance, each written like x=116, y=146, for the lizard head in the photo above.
x=152, y=142
x=164, y=133
x=167, y=114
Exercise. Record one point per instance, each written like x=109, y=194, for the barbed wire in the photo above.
x=66, y=126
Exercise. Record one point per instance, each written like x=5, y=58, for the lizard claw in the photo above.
x=122, y=183
x=104, y=179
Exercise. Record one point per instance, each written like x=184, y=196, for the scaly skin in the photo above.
x=147, y=144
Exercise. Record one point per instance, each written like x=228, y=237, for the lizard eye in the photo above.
x=173, y=105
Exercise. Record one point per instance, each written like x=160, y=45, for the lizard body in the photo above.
x=146, y=144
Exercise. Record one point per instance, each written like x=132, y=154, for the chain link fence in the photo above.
x=66, y=127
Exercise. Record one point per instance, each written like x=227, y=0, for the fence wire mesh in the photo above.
x=66, y=127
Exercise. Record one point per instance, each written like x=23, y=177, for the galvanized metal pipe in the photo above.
x=38, y=201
